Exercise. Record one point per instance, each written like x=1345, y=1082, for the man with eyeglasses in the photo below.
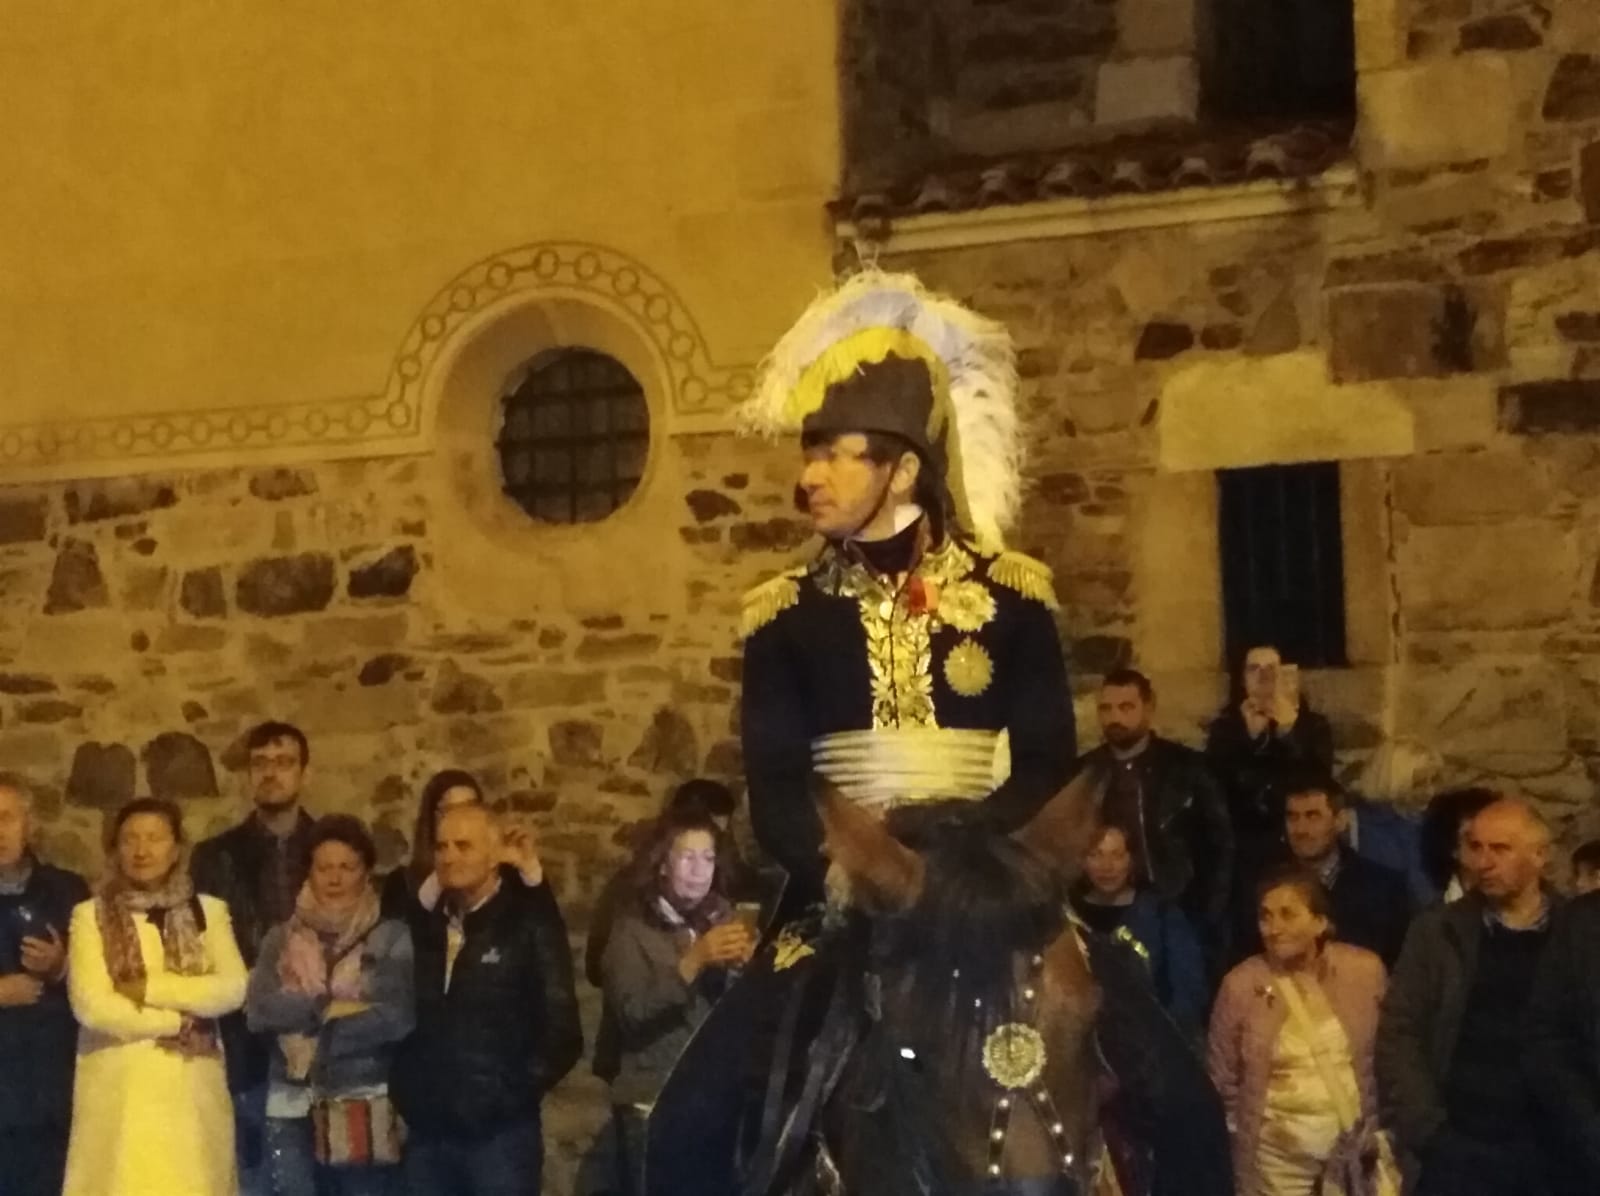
x=257, y=867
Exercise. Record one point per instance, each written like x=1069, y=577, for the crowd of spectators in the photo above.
x=1383, y=983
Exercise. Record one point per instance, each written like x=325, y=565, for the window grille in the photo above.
x=1281, y=59
x=1283, y=561
x=574, y=436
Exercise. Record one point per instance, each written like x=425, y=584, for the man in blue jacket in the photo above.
x=38, y=1037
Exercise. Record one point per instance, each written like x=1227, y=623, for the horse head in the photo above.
x=978, y=1062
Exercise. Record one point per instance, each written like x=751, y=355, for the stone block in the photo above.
x=1156, y=27
x=1437, y=112
x=48, y=710
x=1456, y=488
x=1484, y=706
x=458, y=692
x=1574, y=91
x=200, y=594
x=178, y=766
x=1415, y=332
x=1555, y=407
x=595, y=648
x=668, y=746
x=382, y=669
x=1589, y=181
x=1142, y=90
x=553, y=688
x=276, y=586
x=706, y=505
x=76, y=582
x=770, y=535
x=1579, y=326
x=274, y=485
x=389, y=576
x=1504, y=31
x=1231, y=413
x=1518, y=573
x=23, y=520
x=25, y=683
x=117, y=498
x=102, y=776
x=1163, y=339
x=576, y=742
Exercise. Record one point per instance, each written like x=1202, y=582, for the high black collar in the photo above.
x=897, y=554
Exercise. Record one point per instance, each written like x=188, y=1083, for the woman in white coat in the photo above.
x=152, y=966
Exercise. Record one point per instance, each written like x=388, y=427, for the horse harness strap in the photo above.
x=1014, y=1057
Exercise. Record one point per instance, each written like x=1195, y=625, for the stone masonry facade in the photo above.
x=1440, y=337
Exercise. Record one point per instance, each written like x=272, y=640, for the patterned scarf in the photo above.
x=174, y=910
x=321, y=957
x=171, y=907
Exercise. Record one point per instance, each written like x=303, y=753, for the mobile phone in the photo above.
x=748, y=913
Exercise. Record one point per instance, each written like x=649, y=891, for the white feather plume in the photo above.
x=985, y=452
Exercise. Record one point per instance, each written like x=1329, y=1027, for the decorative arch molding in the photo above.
x=395, y=420
x=557, y=270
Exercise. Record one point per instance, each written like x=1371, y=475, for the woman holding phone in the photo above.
x=670, y=956
x=1266, y=734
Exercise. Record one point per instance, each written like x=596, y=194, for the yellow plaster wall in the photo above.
x=216, y=205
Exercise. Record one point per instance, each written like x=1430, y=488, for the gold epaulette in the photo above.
x=768, y=600
x=1029, y=577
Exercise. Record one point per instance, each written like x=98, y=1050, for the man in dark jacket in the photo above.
x=497, y=1022
x=1563, y=1059
x=1166, y=798
x=1452, y=1035
x=258, y=867
x=1371, y=904
x=38, y=1037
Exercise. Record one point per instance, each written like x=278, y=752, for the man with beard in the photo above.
x=258, y=867
x=1169, y=804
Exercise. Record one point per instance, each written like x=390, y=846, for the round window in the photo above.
x=574, y=436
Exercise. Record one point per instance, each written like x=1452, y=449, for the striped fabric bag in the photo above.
x=356, y=1131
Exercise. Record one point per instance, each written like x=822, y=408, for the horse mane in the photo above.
x=986, y=900
x=948, y=971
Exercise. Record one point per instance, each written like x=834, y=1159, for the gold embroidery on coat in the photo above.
x=966, y=605
x=767, y=601
x=968, y=668
x=1029, y=577
x=899, y=649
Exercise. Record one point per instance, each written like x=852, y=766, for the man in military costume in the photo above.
x=912, y=659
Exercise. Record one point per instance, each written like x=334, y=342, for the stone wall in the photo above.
x=146, y=623
x=1441, y=338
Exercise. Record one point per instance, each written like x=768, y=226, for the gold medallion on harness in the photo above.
x=1013, y=1055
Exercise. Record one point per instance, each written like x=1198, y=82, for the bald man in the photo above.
x=1452, y=1035
x=497, y=1021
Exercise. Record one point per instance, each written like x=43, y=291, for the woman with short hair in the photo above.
x=153, y=966
x=1290, y=1049
x=334, y=984
x=1111, y=902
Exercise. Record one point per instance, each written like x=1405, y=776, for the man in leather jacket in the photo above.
x=1167, y=801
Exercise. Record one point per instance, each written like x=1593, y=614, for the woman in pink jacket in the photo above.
x=1290, y=1049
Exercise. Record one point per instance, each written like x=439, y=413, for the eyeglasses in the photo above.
x=274, y=763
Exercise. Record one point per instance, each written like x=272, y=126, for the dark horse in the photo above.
x=962, y=1037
